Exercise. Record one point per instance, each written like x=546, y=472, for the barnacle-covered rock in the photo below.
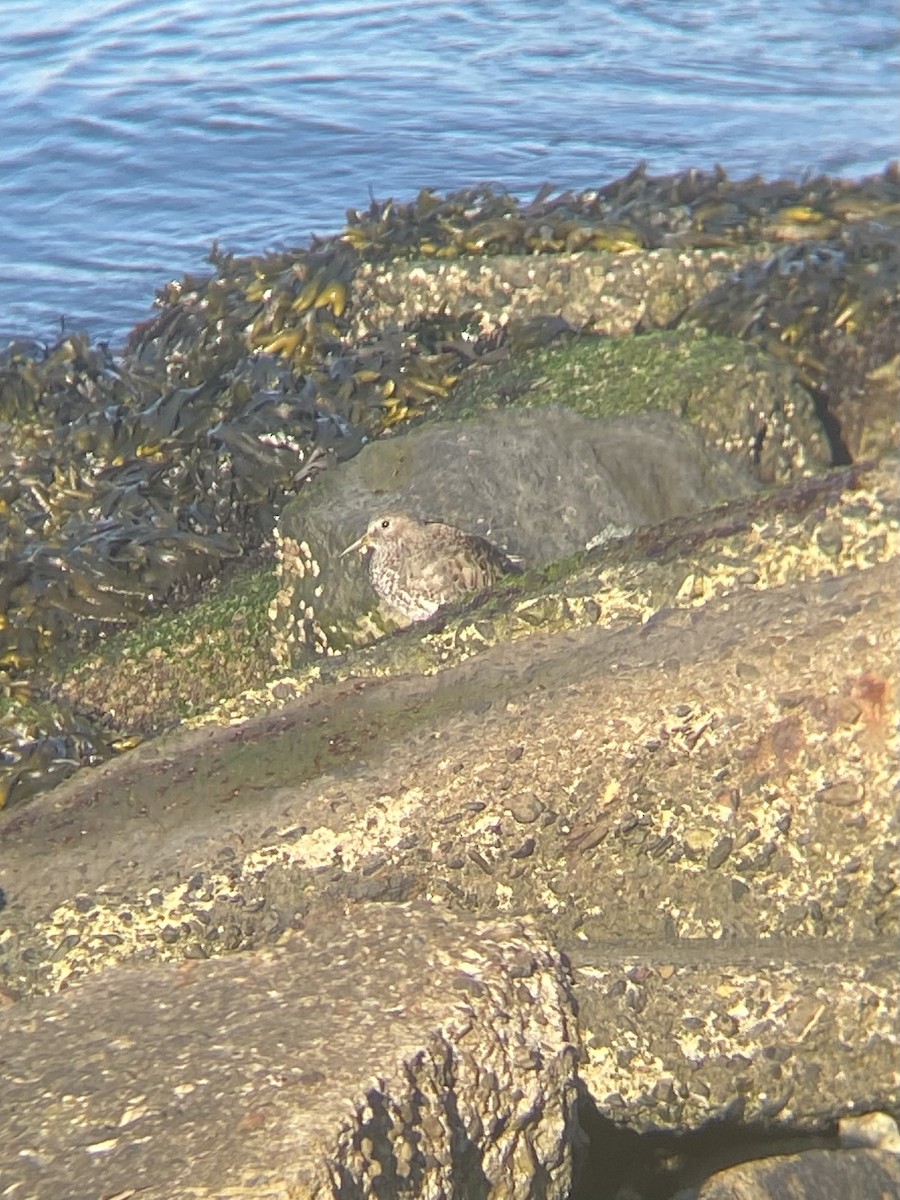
x=128, y=480
x=462, y=1034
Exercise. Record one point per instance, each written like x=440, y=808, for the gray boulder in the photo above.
x=542, y=484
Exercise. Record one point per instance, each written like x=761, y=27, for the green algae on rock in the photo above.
x=743, y=401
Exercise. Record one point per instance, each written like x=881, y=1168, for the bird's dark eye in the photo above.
x=385, y=524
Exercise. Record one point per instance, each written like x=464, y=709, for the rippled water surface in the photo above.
x=133, y=133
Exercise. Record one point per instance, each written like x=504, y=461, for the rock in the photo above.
x=613, y=293
x=680, y=1038
x=540, y=484
x=749, y=404
x=863, y=389
x=877, y=1130
x=750, y=988
x=825, y=1174
x=668, y=760
x=406, y=1051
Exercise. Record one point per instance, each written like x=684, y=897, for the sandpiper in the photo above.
x=416, y=566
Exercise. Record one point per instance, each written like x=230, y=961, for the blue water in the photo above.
x=134, y=132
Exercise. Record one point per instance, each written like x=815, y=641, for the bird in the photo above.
x=416, y=566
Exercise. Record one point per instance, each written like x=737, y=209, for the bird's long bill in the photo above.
x=360, y=544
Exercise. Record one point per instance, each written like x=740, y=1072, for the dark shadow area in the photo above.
x=840, y=454
x=619, y=1163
